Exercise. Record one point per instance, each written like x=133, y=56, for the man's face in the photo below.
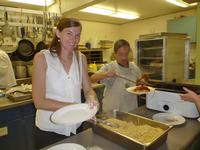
x=122, y=54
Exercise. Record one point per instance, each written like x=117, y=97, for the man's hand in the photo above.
x=143, y=80
x=111, y=73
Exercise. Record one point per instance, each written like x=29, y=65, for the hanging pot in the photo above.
x=20, y=72
x=29, y=70
x=41, y=45
x=25, y=50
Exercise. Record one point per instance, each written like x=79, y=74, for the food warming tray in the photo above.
x=129, y=142
x=16, y=98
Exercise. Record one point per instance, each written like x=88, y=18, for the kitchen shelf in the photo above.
x=154, y=58
x=152, y=48
x=25, y=24
x=93, y=55
x=28, y=17
x=152, y=66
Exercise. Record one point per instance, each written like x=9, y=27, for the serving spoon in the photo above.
x=123, y=77
x=107, y=123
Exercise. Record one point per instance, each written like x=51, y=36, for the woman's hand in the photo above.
x=93, y=120
x=92, y=101
x=189, y=96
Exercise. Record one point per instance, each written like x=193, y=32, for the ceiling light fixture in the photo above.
x=116, y=14
x=193, y=4
x=181, y=3
x=35, y=2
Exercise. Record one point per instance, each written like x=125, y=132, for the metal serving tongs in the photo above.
x=139, y=81
x=123, y=77
x=107, y=123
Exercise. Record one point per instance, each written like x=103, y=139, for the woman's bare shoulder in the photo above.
x=39, y=58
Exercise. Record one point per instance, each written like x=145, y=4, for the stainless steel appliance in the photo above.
x=164, y=56
x=166, y=98
x=166, y=101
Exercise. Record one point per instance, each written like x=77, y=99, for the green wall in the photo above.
x=197, y=75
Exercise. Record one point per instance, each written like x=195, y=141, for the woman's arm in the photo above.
x=192, y=97
x=38, y=83
x=89, y=93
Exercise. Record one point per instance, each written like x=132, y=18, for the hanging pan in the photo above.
x=41, y=45
x=25, y=50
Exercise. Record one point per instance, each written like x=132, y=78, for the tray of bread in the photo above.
x=19, y=93
x=130, y=130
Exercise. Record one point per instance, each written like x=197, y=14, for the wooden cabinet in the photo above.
x=183, y=25
x=19, y=124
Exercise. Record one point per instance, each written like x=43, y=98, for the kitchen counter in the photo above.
x=88, y=138
x=179, y=137
x=5, y=103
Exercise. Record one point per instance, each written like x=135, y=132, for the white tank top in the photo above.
x=61, y=86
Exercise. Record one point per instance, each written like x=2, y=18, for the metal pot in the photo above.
x=29, y=70
x=20, y=71
x=25, y=50
x=41, y=45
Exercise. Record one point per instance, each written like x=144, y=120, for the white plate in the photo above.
x=198, y=119
x=169, y=118
x=67, y=146
x=131, y=90
x=73, y=114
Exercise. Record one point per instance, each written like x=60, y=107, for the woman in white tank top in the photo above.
x=59, y=73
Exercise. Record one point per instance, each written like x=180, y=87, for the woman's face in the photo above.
x=69, y=37
x=122, y=55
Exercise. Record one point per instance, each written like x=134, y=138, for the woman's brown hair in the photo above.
x=63, y=23
x=121, y=43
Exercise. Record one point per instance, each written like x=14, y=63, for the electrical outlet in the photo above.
x=3, y=131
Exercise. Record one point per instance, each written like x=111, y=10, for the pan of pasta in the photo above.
x=132, y=131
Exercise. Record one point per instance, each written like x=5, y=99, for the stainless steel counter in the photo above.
x=179, y=137
x=88, y=138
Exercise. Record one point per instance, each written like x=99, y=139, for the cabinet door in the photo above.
x=15, y=138
x=29, y=132
x=19, y=123
x=183, y=25
x=29, y=125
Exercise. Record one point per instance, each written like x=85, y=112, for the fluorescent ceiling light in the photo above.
x=35, y=2
x=96, y=10
x=193, y=4
x=181, y=3
x=107, y=12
